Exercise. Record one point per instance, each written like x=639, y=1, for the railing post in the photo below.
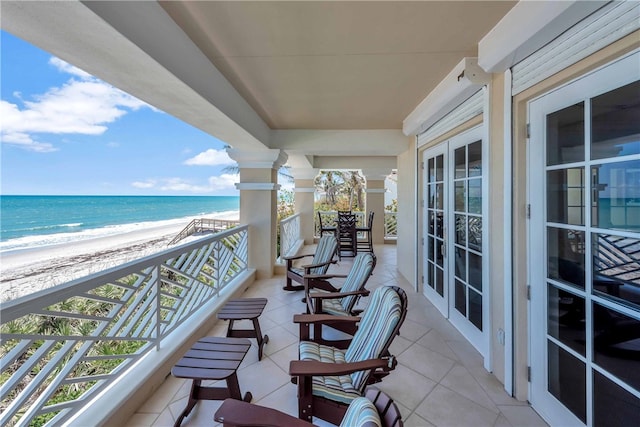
x=158, y=308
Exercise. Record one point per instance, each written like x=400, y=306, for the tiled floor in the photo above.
x=439, y=381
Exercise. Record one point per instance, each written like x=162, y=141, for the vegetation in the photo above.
x=340, y=191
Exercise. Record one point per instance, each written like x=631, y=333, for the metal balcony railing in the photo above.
x=62, y=346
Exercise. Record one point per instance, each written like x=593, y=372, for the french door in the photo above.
x=584, y=246
x=454, y=262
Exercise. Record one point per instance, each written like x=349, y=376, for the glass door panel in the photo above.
x=585, y=270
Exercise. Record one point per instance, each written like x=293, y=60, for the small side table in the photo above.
x=212, y=358
x=245, y=309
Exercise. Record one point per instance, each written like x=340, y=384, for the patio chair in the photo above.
x=347, y=238
x=323, y=298
x=367, y=243
x=322, y=258
x=375, y=409
x=329, y=378
x=324, y=228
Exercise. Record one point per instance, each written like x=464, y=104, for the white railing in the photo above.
x=289, y=235
x=330, y=218
x=390, y=225
x=62, y=346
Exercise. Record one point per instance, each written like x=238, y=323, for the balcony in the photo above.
x=440, y=379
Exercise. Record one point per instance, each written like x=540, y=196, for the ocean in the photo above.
x=34, y=221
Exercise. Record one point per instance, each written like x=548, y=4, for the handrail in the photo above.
x=200, y=225
x=289, y=234
x=63, y=345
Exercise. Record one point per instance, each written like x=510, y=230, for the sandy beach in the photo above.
x=27, y=271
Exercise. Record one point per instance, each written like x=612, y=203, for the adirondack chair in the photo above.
x=322, y=258
x=375, y=409
x=329, y=378
x=323, y=298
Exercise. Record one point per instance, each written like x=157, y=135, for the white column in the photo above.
x=258, y=204
x=304, y=200
x=375, y=200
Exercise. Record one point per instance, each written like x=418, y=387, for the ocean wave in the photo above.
x=40, y=240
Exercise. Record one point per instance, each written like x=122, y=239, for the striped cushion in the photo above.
x=324, y=252
x=360, y=271
x=334, y=387
x=361, y=411
x=376, y=327
x=334, y=306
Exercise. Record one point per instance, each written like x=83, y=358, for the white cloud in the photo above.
x=84, y=106
x=150, y=183
x=211, y=157
x=215, y=184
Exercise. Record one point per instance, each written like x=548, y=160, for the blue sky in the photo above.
x=66, y=132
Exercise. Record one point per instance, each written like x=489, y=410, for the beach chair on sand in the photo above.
x=375, y=409
x=330, y=378
x=322, y=259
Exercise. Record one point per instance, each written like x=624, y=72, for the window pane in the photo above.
x=475, y=308
x=439, y=281
x=616, y=268
x=565, y=135
x=461, y=298
x=475, y=196
x=439, y=168
x=461, y=263
x=461, y=164
x=475, y=271
x=616, y=344
x=460, y=195
x=566, y=318
x=615, y=127
x=461, y=230
x=475, y=159
x=566, y=255
x=616, y=195
x=565, y=196
x=439, y=196
x=475, y=233
x=567, y=380
x=613, y=406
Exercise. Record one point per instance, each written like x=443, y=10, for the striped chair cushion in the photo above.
x=334, y=306
x=360, y=271
x=376, y=327
x=361, y=411
x=334, y=387
x=324, y=252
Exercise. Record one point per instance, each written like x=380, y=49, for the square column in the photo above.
x=375, y=201
x=304, y=201
x=259, y=203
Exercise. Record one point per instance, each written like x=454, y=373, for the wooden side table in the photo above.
x=245, y=309
x=212, y=358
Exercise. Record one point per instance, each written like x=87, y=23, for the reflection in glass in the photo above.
x=565, y=135
x=461, y=263
x=475, y=233
x=475, y=308
x=616, y=344
x=432, y=222
x=461, y=230
x=567, y=380
x=439, y=256
x=616, y=268
x=439, y=281
x=460, y=163
x=430, y=275
x=616, y=195
x=474, y=204
x=439, y=196
x=431, y=170
x=432, y=196
x=475, y=271
x=566, y=318
x=461, y=298
x=613, y=406
x=439, y=224
x=615, y=127
x=566, y=258
x=475, y=159
x=460, y=196
x=565, y=196
x=439, y=168
x=430, y=244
